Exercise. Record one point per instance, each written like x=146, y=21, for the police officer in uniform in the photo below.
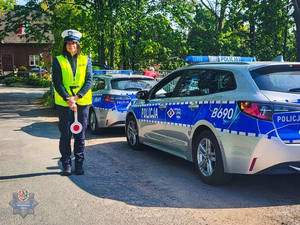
x=72, y=78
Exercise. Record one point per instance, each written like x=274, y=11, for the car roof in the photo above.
x=237, y=65
x=117, y=76
x=32, y=69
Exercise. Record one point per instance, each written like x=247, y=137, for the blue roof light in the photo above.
x=113, y=71
x=196, y=59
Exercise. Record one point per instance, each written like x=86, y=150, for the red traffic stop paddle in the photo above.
x=76, y=127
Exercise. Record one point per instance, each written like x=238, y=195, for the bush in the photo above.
x=10, y=81
x=38, y=82
x=32, y=80
x=48, y=99
x=22, y=68
x=46, y=76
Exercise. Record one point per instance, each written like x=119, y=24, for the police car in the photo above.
x=113, y=91
x=231, y=116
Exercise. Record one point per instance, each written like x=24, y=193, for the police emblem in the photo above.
x=70, y=33
x=23, y=203
x=171, y=113
x=23, y=195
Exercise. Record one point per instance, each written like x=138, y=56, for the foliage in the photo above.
x=11, y=81
x=46, y=76
x=7, y=5
x=38, y=82
x=32, y=80
x=48, y=99
x=133, y=34
x=22, y=68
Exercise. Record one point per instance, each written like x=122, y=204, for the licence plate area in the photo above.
x=288, y=127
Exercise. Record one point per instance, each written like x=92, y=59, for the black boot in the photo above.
x=66, y=171
x=79, y=170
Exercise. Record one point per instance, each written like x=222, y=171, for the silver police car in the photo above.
x=113, y=91
x=234, y=116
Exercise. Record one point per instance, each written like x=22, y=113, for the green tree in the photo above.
x=296, y=16
x=7, y=4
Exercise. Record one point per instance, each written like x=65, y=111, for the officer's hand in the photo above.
x=76, y=98
x=73, y=107
x=72, y=100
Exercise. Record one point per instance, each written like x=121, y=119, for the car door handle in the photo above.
x=162, y=106
x=193, y=106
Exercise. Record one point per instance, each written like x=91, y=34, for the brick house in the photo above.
x=16, y=52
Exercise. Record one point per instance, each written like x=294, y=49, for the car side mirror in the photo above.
x=142, y=94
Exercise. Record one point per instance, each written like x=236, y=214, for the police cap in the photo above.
x=71, y=35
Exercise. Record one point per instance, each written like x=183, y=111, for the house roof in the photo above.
x=13, y=38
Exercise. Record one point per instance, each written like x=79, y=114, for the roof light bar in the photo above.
x=196, y=59
x=113, y=71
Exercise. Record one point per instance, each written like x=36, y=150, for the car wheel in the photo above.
x=132, y=134
x=94, y=124
x=208, y=160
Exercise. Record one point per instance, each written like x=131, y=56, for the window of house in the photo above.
x=34, y=60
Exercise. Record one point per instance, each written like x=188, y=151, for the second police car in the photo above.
x=113, y=90
x=234, y=116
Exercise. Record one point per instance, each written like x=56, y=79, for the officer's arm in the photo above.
x=88, y=80
x=57, y=80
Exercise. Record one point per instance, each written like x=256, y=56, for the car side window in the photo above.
x=98, y=84
x=205, y=81
x=221, y=81
x=189, y=86
x=165, y=88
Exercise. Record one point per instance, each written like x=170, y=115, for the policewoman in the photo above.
x=72, y=78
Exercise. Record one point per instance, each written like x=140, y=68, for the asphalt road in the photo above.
x=122, y=186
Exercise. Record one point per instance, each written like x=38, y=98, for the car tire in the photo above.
x=132, y=134
x=94, y=124
x=208, y=159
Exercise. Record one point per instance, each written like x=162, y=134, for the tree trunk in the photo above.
x=249, y=4
x=124, y=65
x=99, y=7
x=101, y=48
x=296, y=16
x=112, y=47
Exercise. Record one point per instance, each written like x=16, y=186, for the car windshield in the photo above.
x=132, y=83
x=282, y=80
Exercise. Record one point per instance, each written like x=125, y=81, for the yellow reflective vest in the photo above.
x=68, y=80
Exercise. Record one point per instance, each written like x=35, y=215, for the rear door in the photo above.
x=198, y=97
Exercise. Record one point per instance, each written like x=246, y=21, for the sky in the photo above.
x=21, y=2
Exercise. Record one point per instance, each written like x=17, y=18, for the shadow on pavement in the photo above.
x=152, y=178
x=28, y=175
x=43, y=129
x=50, y=130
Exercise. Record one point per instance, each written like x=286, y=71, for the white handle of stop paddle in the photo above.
x=76, y=127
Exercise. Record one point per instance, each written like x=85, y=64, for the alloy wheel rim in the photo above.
x=93, y=121
x=131, y=133
x=206, y=157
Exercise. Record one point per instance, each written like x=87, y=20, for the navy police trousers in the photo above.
x=66, y=118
